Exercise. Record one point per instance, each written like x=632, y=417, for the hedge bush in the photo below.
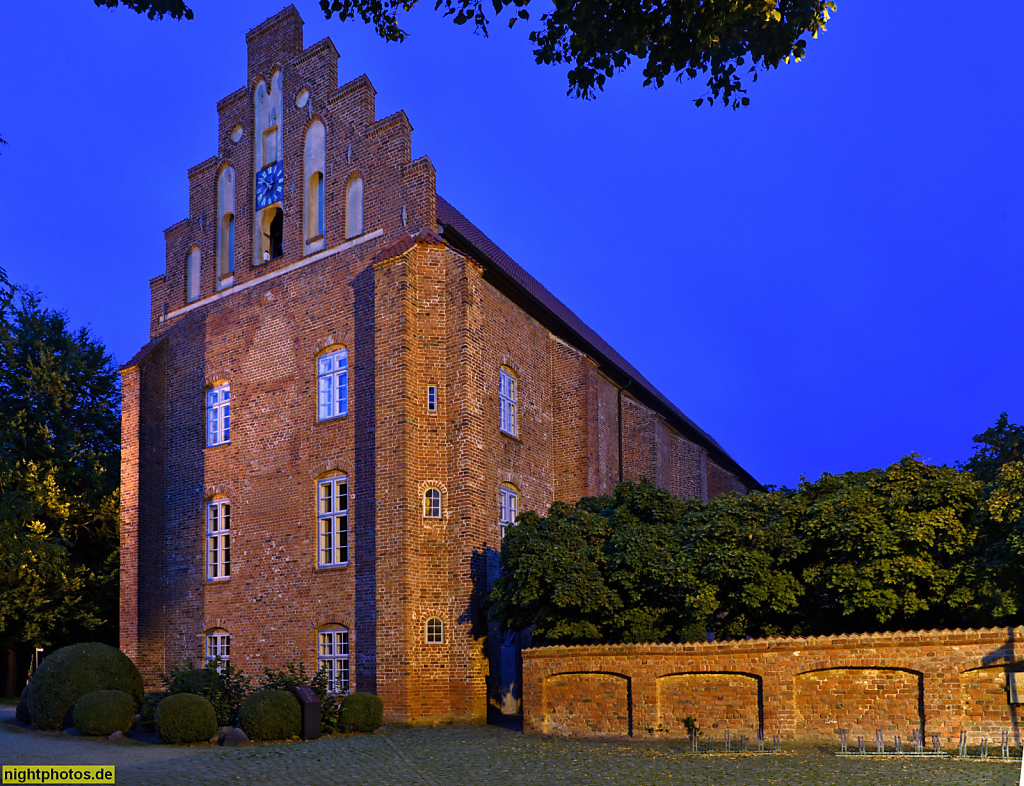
x=149, y=703
x=270, y=715
x=294, y=675
x=67, y=674
x=217, y=681
x=103, y=712
x=361, y=712
x=22, y=715
x=185, y=717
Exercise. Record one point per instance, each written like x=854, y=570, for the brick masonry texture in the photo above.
x=937, y=682
x=415, y=304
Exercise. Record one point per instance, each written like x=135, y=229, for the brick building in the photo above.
x=348, y=393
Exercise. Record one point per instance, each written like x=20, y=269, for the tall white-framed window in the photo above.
x=332, y=657
x=507, y=389
x=218, y=415
x=332, y=521
x=432, y=504
x=332, y=384
x=435, y=630
x=508, y=507
x=218, y=645
x=431, y=398
x=218, y=539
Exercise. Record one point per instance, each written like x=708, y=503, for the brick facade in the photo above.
x=937, y=682
x=417, y=299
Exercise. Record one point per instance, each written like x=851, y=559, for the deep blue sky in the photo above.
x=825, y=281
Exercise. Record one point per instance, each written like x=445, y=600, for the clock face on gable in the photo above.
x=269, y=185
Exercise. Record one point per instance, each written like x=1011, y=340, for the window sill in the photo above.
x=225, y=283
x=332, y=418
x=339, y=566
x=219, y=580
x=512, y=437
x=218, y=445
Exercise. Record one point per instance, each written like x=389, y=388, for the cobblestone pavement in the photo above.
x=479, y=755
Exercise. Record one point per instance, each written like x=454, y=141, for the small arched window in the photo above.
x=432, y=504
x=192, y=276
x=435, y=630
x=354, y=208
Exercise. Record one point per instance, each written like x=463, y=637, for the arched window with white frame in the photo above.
x=354, y=208
x=332, y=521
x=508, y=389
x=432, y=503
x=333, y=657
x=508, y=507
x=218, y=645
x=435, y=630
x=332, y=384
x=218, y=539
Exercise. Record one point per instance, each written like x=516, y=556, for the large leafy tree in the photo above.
x=724, y=41
x=898, y=548
x=59, y=475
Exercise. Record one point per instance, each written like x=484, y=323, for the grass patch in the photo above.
x=9, y=701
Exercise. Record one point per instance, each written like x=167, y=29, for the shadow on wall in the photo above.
x=364, y=503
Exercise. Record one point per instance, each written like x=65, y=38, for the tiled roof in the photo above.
x=456, y=227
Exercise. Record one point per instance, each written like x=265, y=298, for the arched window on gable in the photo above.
x=192, y=276
x=315, y=162
x=354, y=208
x=226, y=224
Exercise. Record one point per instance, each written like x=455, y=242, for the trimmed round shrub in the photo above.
x=270, y=715
x=149, y=703
x=361, y=712
x=22, y=715
x=67, y=674
x=103, y=712
x=184, y=718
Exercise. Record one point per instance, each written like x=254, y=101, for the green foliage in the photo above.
x=69, y=673
x=997, y=445
x=601, y=37
x=184, y=718
x=217, y=681
x=292, y=676
x=361, y=712
x=907, y=547
x=149, y=705
x=103, y=712
x=59, y=476
x=154, y=9
x=271, y=715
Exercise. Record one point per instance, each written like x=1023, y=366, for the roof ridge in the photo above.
x=449, y=215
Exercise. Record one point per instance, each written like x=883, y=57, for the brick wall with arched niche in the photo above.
x=587, y=703
x=862, y=701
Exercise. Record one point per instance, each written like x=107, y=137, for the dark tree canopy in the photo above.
x=911, y=546
x=59, y=477
x=673, y=38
